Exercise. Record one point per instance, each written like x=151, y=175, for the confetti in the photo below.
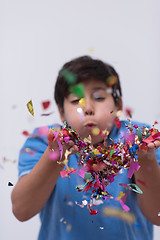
x=43, y=130
x=65, y=173
x=77, y=90
x=47, y=114
x=30, y=107
x=101, y=164
x=135, y=188
x=26, y=133
x=68, y=227
x=101, y=228
x=95, y=131
x=91, y=50
x=111, y=80
x=54, y=155
x=115, y=212
x=117, y=122
x=10, y=184
x=46, y=104
x=80, y=113
x=128, y=112
x=82, y=102
x=121, y=194
x=68, y=76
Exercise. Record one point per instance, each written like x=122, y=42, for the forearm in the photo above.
x=148, y=179
x=33, y=190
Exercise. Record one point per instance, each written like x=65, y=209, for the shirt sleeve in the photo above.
x=31, y=152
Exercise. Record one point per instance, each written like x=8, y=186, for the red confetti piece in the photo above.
x=117, y=122
x=45, y=104
x=128, y=112
x=66, y=173
x=93, y=212
x=26, y=133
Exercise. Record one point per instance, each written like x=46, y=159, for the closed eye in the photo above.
x=76, y=101
x=98, y=96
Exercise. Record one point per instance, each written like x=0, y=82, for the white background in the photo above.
x=37, y=38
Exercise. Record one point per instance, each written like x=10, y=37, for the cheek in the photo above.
x=71, y=116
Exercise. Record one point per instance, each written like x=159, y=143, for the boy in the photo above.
x=41, y=188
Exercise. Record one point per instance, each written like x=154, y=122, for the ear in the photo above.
x=61, y=113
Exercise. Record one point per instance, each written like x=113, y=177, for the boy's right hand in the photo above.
x=54, y=143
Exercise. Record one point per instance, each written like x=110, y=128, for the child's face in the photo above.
x=99, y=110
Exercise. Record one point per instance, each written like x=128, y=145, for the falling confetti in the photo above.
x=68, y=227
x=46, y=104
x=47, y=114
x=26, y=133
x=82, y=102
x=115, y=212
x=80, y=113
x=102, y=163
x=30, y=107
x=77, y=90
x=111, y=80
x=68, y=76
x=10, y=184
x=95, y=131
x=128, y=112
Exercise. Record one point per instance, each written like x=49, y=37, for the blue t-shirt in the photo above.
x=63, y=219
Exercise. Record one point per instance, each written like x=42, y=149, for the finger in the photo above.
x=153, y=145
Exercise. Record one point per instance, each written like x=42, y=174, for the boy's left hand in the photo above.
x=152, y=146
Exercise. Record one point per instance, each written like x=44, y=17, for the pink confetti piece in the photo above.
x=134, y=167
x=124, y=206
x=43, y=130
x=65, y=173
x=54, y=155
x=81, y=173
x=66, y=139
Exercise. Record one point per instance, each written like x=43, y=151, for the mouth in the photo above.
x=90, y=126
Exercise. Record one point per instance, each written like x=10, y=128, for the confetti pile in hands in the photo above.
x=102, y=163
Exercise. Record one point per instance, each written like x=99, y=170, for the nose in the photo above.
x=89, y=107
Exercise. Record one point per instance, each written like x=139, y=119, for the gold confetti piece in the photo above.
x=64, y=222
x=91, y=50
x=95, y=131
x=95, y=151
x=121, y=194
x=68, y=227
x=114, y=212
x=82, y=102
x=30, y=107
x=88, y=139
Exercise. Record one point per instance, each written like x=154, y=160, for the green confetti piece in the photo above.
x=80, y=187
x=112, y=152
x=87, y=176
x=77, y=90
x=135, y=188
x=139, y=133
x=147, y=134
x=68, y=76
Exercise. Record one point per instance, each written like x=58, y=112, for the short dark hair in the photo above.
x=85, y=68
